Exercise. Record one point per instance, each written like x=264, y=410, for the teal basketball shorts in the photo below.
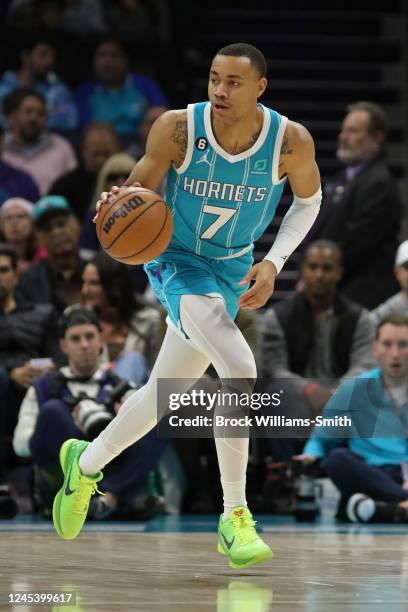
x=178, y=272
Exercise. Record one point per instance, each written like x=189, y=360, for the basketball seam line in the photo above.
x=151, y=242
x=116, y=201
x=131, y=223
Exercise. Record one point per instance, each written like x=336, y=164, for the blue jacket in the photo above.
x=124, y=108
x=378, y=431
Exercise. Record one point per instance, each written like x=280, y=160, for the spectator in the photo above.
x=114, y=171
x=28, y=144
x=315, y=337
x=81, y=17
x=27, y=332
x=55, y=279
x=116, y=95
x=144, y=25
x=99, y=142
x=37, y=64
x=373, y=469
x=77, y=401
x=47, y=17
x=16, y=226
x=84, y=17
x=129, y=327
x=137, y=149
x=398, y=303
x=363, y=207
x=15, y=183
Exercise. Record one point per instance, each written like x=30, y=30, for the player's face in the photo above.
x=96, y=149
x=321, y=271
x=356, y=143
x=401, y=272
x=82, y=345
x=41, y=59
x=391, y=350
x=30, y=119
x=92, y=291
x=234, y=87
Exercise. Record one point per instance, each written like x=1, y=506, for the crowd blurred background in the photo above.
x=81, y=82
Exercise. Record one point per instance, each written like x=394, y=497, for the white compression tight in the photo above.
x=218, y=341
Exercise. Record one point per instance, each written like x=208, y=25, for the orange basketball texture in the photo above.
x=135, y=227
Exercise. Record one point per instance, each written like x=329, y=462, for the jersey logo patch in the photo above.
x=259, y=167
x=201, y=143
x=204, y=159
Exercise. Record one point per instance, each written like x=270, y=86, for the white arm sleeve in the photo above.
x=294, y=227
x=27, y=420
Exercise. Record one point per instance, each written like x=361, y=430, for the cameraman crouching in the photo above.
x=78, y=401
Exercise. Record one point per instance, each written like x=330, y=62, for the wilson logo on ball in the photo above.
x=122, y=212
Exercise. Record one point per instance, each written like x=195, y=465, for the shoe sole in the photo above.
x=259, y=559
x=57, y=501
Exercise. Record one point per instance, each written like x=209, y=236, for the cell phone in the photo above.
x=41, y=363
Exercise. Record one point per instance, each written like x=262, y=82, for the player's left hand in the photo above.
x=264, y=274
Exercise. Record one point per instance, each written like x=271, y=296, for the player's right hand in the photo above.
x=107, y=196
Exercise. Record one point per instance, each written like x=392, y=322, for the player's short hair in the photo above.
x=256, y=58
x=400, y=320
x=377, y=115
x=15, y=98
x=324, y=244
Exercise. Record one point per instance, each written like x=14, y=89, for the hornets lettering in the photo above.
x=223, y=191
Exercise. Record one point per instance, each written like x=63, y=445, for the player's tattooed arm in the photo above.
x=297, y=160
x=286, y=149
x=180, y=139
x=285, y=152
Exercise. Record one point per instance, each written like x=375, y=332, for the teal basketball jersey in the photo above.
x=222, y=203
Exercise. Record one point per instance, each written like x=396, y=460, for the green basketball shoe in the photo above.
x=238, y=540
x=72, y=500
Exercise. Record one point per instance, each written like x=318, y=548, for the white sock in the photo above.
x=234, y=495
x=232, y=459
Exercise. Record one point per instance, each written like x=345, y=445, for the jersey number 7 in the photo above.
x=223, y=215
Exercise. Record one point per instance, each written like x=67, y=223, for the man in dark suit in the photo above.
x=363, y=207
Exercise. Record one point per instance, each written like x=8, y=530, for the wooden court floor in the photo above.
x=349, y=571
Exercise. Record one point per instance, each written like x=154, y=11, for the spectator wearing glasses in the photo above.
x=16, y=227
x=114, y=171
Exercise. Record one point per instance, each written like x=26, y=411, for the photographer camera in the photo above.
x=91, y=415
x=78, y=401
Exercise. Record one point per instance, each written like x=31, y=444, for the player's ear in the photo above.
x=262, y=83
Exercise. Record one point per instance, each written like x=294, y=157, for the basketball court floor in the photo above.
x=170, y=564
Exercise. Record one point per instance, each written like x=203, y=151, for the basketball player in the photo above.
x=226, y=163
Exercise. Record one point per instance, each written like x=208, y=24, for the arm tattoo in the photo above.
x=285, y=150
x=180, y=138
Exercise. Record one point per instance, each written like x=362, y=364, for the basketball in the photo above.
x=135, y=227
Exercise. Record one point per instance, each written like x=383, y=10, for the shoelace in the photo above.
x=245, y=529
x=82, y=495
